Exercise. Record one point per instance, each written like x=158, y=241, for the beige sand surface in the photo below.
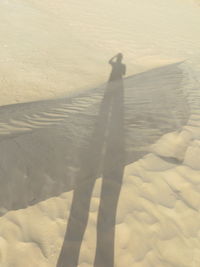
x=50, y=50
x=157, y=222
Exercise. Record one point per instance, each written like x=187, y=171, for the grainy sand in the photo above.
x=59, y=138
x=158, y=209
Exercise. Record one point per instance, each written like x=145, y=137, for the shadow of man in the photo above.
x=105, y=155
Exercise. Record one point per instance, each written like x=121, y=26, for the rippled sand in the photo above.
x=51, y=53
x=158, y=210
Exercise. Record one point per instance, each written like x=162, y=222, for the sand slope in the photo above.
x=45, y=141
x=51, y=49
x=158, y=211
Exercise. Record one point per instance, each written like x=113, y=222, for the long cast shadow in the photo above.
x=106, y=155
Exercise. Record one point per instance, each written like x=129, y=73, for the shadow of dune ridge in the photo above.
x=41, y=141
x=105, y=155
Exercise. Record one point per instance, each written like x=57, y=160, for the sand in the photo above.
x=62, y=136
x=158, y=209
x=53, y=49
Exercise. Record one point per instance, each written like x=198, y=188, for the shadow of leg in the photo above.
x=76, y=225
x=114, y=162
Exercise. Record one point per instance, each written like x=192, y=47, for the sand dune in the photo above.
x=159, y=190
x=122, y=165
x=52, y=49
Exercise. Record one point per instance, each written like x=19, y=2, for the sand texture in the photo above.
x=96, y=172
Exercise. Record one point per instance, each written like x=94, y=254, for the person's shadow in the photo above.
x=105, y=155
